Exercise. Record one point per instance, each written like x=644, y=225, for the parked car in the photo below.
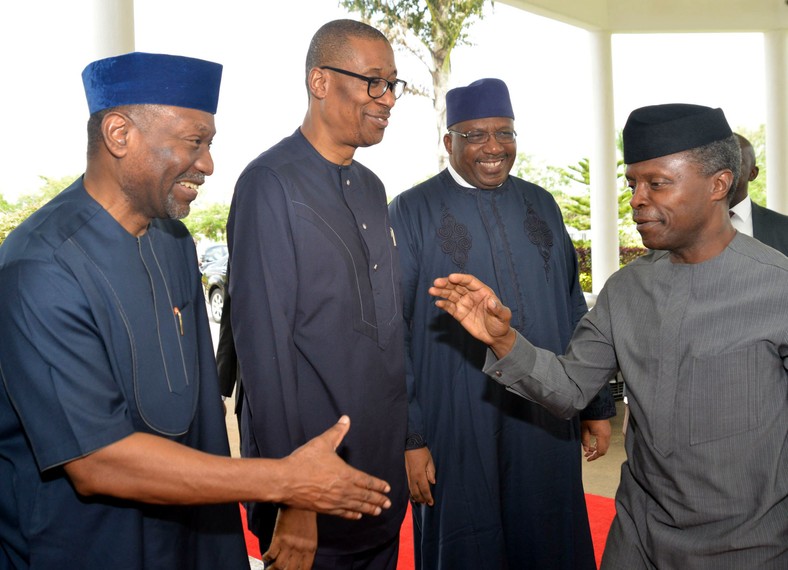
x=214, y=280
x=213, y=253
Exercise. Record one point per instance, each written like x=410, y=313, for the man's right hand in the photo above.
x=477, y=308
x=421, y=474
x=322, y=482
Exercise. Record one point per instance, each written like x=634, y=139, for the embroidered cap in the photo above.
x=147, y=78
x=481, y=99
x=660, y=130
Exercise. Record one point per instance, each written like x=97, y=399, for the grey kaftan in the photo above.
x=703, y=349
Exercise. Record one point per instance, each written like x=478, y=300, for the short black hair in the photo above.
x=330, y=44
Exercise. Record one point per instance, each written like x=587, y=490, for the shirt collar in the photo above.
x=743, y=209
x=461, y=181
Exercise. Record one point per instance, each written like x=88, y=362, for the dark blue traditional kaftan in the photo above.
x=509, y=492
x=317, y=322
x=103, y=335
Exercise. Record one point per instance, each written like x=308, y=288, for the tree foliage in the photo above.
x=13, y=214
x=429, y=29
x=757, y=137
x=209, y=222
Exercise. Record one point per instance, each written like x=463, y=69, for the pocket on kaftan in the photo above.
x=724, y=394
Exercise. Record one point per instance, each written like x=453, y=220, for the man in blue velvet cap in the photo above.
x=698, y=328
x=496, y=480
x=113, y=450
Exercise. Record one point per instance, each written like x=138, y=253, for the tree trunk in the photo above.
x=440, y=81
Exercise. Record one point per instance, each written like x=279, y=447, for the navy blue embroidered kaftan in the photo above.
x=509, y=492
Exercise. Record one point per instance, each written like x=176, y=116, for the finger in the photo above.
x=337, y=432
x=269, y=557
x=427, y=496
x=373, y=484
x=593, y=456
x=431, y=474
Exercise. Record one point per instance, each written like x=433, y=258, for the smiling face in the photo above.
x=678, y=209
x=169, y=158
x=487, y=165
x=350, y=117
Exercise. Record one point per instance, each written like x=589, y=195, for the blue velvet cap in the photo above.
x=660, y=130
x=147, y=78
x=481, y=99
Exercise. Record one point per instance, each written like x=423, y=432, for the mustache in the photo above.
x=196, y=178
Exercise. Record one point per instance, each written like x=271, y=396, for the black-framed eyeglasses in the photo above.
x=376, y=86
x=481, y=137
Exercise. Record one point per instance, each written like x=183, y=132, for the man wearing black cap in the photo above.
x=496, y=480
x=113, y=449
x=699, y=329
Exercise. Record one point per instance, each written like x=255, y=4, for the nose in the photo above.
x=638, y=196
x=388, y=98
x=492, y=146
x=204, y=162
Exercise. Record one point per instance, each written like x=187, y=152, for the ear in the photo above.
x=447, y=143
x=317, y=82
x=115, y=130
x=753, y=173
x=722, y=182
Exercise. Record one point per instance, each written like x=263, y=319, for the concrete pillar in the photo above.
x=604, y=188
x=776, y=56
x=113, y=27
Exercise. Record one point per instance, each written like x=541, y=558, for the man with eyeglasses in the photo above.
x=495, y=480
x=316, y=308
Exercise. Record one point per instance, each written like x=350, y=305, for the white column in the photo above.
x=604, y=190
x=113, y=27
x=776, y=56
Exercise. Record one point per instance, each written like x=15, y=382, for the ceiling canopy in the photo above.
x=663, y=16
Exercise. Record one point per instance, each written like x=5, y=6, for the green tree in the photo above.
x=13, y=214
x=208, y=222
x=757, y=137
x=429, y=29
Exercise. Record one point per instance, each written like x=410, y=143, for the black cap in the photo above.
x=660, y=130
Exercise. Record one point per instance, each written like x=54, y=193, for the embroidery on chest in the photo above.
x=540, y=234
x=455, y=239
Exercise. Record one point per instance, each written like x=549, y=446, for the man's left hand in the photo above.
x=600, y=430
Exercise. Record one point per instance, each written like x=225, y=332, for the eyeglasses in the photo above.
x=376, y=86
x=481, y=137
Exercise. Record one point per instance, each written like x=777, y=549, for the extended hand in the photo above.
x=322, y=482
x=476, y=307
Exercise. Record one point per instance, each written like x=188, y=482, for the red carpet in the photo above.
x=601, y=511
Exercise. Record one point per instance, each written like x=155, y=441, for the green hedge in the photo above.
x=625, y=255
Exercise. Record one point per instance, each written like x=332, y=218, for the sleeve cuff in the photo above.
x=415, y=441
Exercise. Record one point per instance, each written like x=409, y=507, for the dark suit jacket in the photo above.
x=770, y=227
x=226, y=358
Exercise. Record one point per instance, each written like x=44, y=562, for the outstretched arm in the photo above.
x=477, y=308
x=151, y=469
